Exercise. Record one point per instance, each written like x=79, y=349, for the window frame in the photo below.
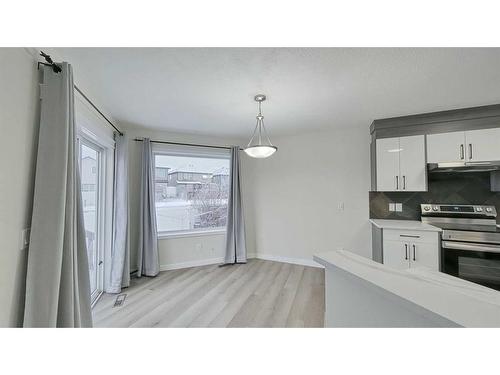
x=83, y=140
x=195, y=152
x=91, y=126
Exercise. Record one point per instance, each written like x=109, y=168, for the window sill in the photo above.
x=167, y=235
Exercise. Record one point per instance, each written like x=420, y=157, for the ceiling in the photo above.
x=211, y=90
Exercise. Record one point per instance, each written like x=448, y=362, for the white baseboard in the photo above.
x=206, y=262
x=299, y=261
x=193, y=263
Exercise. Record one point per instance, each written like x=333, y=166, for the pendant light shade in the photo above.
x=260, y=152
x=260, y=145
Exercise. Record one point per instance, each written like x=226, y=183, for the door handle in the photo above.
x=414, y=253
x=462, y=155
x=397, y=182
x=404, y=182
x=470, y=151
x=406, y=251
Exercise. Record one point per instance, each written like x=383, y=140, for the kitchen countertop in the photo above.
x=404, y=225
x=460, y=301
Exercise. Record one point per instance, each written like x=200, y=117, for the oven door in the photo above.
x=476, y=262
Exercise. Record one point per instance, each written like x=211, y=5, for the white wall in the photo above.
x=19, y=108
x=290, y=200
x=292, y=197
x=174, y=252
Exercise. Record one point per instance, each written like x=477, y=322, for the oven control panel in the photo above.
x=457, y=210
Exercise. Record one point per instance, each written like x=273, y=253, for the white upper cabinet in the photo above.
x=446, y=147
x=412, y=166
x=401, y=164
x=387, y=164
x=483, y=145
x=467, y=146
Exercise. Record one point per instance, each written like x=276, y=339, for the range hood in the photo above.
x=471, y=166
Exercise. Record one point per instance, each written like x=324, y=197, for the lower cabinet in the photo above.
x=402, y=250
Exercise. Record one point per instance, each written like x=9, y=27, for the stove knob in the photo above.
x=435, y=208
x=488, y=209
x=479, y=209
x=427, y=208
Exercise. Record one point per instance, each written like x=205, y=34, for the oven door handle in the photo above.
x=470, y=247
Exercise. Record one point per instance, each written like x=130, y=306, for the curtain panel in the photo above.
x=57, y=281
x=120, y=254
x=236, y=251
x=147, y=256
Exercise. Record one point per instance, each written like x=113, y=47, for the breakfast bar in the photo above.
x=363, y=293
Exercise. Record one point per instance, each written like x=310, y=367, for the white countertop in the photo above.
x=404, y=225
x=460, y=301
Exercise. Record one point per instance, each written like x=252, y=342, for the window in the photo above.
x=194, y=196
x=87, y=187
x=95, y=148
x=161, y=173
x=91, y=175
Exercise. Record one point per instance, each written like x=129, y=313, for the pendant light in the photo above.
x=260, y=145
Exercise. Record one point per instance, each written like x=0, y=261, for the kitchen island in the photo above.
x=364, y=293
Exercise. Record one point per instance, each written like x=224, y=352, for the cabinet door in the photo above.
x=396, y=254
x=388, y=164
x=412, y=166
x=424, y=255
x=483, y=145
x=446, y=147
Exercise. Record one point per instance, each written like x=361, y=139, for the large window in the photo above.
x=191, y=192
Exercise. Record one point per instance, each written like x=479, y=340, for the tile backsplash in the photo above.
x=456, y=188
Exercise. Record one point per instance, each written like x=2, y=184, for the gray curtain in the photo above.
x=57, y=281
x=148, y=261
x=236, y=251
x=120, y=256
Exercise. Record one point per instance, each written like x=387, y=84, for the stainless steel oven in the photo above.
x=470, y=241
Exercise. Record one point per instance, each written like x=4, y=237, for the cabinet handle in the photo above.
x=404, y=182
x=470, y=151
x=414, y=253
x=406, y=251
x=409, y=235
x=397, y=182
x=462, y=156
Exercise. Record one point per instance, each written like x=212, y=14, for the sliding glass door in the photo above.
x=91, y=173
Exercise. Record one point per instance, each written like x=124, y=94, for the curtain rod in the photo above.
x=186, y=144
x=57, y=69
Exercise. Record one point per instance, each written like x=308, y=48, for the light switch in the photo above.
x=392, y=207
x=399, y=207
x=341, y=206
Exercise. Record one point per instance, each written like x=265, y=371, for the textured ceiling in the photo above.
x=210, y=90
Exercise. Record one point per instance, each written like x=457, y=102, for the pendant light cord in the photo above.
x=260, y=127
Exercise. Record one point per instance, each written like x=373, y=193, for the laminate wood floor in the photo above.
x=260, y=293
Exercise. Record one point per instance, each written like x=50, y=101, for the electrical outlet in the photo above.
x=392, y=207
x=399, y=207
x=25, y=238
